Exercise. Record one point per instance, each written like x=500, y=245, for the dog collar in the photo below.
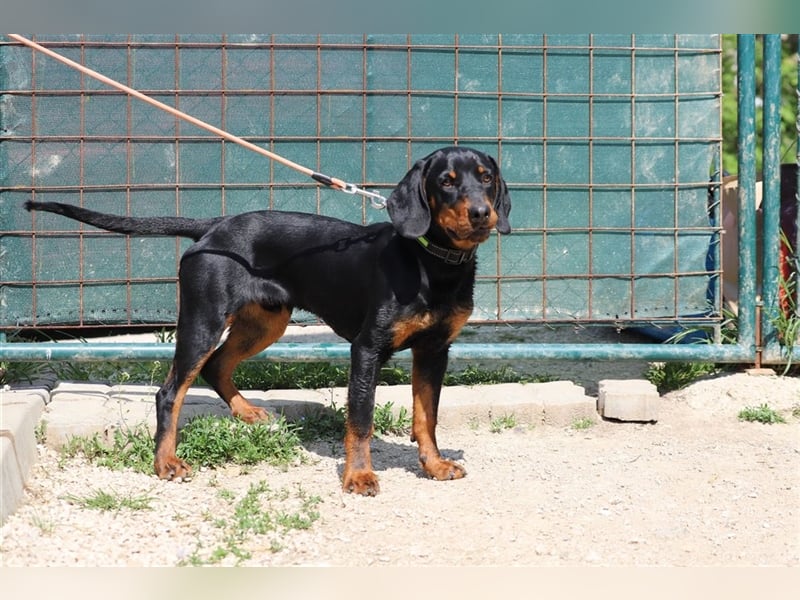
x=448, y=255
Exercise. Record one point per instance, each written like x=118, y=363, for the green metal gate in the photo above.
x=610, y=145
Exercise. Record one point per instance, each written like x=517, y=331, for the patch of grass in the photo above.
x=255, y=375
x=784, y=317
x=508, y=421
x=389, y=423
x=329, y=422
x=279, y=375
x=211, y=442
x=127, y=449
x=40, y=432
x=113, y=372
x=472, y=375
x=260, y=512
x=204, y=442
x=46, y=526
x=584, y=423
x=671, y=376
x=19, y=372
x=325, y=423
x=761, y=414
x=102, y=500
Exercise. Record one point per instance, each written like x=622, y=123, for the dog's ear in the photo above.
x=502, y=202
x=407, y=206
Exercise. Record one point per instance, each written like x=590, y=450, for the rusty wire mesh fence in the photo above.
x=610, y=145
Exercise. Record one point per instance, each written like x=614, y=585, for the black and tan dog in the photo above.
x=382, y=287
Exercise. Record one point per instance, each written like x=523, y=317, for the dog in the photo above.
x=384, y=287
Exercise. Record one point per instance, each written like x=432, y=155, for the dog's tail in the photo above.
x=156, y=226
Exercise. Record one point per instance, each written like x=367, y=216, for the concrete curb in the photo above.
x=20, y=412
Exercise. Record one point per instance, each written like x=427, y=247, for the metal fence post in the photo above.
x=747, y=189
x=771, y=177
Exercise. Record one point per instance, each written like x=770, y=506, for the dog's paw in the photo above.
x=248, y=413
x=253, y=414
x=172, y=468
x=364, y=483
x=443, y=469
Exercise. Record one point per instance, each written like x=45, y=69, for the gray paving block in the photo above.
x=628, y=400
x=565, y=403
x=19, y=415
x=11, y=478
x=557, y=403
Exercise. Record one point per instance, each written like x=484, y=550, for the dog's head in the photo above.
x=456, y=191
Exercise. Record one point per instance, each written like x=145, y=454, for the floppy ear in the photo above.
x=408, y=208
x=502, y=202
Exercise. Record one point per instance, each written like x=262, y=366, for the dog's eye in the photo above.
x=447, y=182
x=487, y=178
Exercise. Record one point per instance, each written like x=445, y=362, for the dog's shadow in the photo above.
x=387, y=451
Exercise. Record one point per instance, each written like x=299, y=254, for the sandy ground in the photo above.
x=699, y=487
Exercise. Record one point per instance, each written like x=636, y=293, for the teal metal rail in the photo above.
x=754, y=313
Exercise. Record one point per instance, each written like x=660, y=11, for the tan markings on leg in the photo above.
x=424, y=431
x=358, y=476
x=456, y=322
x=167, y=463
x=253, y=328
x=403, y=330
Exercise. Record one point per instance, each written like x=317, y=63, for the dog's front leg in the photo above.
x=358, y=476
x=427, y=374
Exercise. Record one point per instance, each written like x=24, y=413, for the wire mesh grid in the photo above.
x=610, y=146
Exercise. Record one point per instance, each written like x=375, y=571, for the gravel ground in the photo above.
x=697, y=488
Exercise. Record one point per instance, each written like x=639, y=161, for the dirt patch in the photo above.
x=699, y=487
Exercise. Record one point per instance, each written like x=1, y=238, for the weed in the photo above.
x=40, y=432
x=761, y=414
x=581, y=424
x=672, y=376
x=325, y=423
x=501, y=423
x=227, y=495
x=166, y=336
x=784, y=317
x=259, y=512
x=389, y=423
x=102, y=500
x=19, y=372
x=46, y=526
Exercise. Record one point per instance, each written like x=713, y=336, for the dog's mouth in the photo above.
x=476, y=236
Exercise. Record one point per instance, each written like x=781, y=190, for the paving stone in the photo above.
x=628, y=400
x=19, y=415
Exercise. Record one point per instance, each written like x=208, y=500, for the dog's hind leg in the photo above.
x=252, y=329
x=194, y=345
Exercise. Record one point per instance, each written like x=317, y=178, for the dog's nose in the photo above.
x=479, y=214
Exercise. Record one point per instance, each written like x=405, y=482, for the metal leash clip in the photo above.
x=376, y=200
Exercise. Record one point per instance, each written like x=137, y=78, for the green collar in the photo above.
x=448, y=255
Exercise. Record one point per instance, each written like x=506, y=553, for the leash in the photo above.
x=375, y=199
